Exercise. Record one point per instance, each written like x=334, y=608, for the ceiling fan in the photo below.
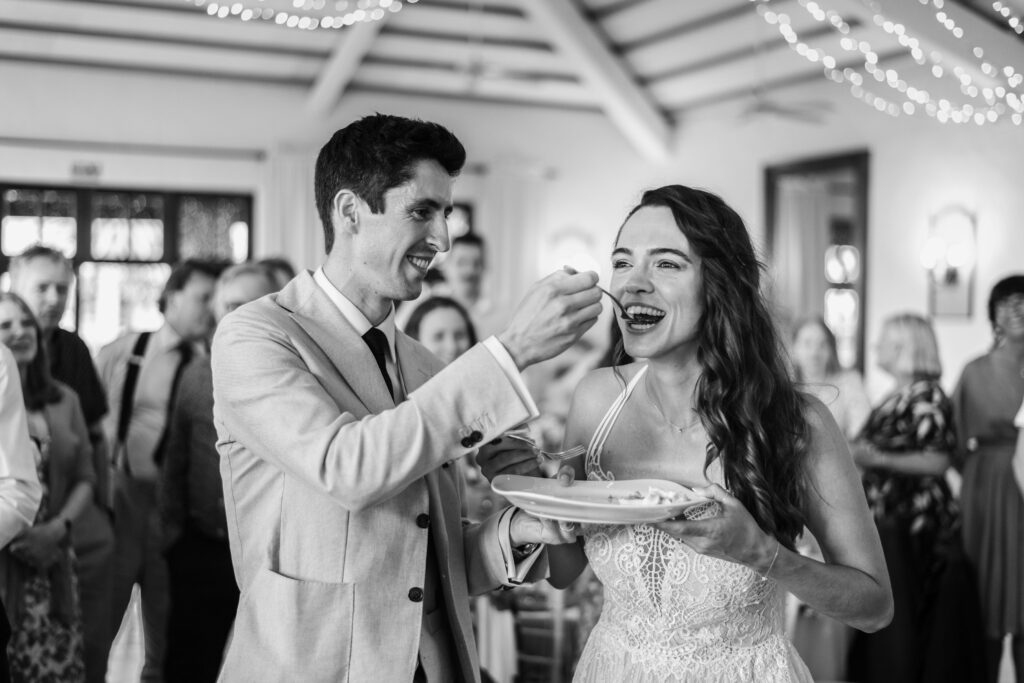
x=476, y=68
x=804, y=111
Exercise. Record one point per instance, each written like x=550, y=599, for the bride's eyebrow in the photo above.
x=675, y=252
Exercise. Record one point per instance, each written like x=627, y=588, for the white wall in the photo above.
x=545, y=170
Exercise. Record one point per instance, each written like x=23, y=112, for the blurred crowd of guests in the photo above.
x=124, y=447
x=131, y=489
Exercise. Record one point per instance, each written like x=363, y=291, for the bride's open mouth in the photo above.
x=643, y=318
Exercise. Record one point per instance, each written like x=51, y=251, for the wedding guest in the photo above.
x=336, y=433
x=37, y=568
x=816, y=368
x=464, y=271
x=281, y=269
x=821, y=641
x=141, y=371
x=443, y=326
x=710, y=405
x=20, y=491
x=42, y=276
x=204, y=596
x=904, y=451
x=989, y=392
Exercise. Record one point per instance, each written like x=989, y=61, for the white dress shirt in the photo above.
x=20, y=492
x=152, y=395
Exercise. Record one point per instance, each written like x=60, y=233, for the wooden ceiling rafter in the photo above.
x=628, y=106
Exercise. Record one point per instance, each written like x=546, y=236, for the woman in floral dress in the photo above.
x=904, y=451
x=37, y=578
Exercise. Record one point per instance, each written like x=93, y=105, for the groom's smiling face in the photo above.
x=392, y=250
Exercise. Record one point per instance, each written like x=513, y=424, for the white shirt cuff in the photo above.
x=515, y=574
x=508, y=366
x=1019, y=420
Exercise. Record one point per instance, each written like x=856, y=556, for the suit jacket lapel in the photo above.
x=313, y=310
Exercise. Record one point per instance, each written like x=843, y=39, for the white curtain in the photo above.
x=800, y=239
x=290, y=226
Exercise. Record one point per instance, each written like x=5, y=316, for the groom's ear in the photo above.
x=345, y=210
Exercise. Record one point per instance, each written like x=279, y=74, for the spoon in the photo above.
x=622, y=309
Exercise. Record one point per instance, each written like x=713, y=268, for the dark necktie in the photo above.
x=378, y=343
x=185, y=351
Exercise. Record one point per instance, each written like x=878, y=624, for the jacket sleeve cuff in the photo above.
x=516, y=573
x=508, y=366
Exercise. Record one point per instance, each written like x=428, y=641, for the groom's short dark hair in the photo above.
x=376, y=153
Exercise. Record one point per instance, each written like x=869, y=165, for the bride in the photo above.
x=711, y=406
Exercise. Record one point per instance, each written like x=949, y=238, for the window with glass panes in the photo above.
x=122, y=244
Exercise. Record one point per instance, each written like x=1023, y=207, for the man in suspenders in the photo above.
x=140, y=373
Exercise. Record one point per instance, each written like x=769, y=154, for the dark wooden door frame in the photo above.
x=856, y=161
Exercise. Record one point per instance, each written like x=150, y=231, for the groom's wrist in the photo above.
x=517, y=533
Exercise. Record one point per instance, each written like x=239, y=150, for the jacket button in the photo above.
x=467, y=442
x=423, y=520
x=476, y=437
x=445, y=464
x=416, y=594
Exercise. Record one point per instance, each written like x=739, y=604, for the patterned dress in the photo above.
x=672, y=615
x=934, y=635
x=44, y=648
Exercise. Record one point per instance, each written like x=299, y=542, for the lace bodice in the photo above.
x=671, y=614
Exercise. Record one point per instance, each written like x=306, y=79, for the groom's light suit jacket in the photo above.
x=325, y=481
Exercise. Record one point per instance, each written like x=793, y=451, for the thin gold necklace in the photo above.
x=654, y=402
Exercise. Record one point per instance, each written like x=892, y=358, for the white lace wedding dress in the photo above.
x=673, y=615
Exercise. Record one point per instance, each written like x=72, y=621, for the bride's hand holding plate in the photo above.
x=732, y=535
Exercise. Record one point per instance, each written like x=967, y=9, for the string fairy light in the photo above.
x=303, y=14
x=1015, y=22
x=986, y=104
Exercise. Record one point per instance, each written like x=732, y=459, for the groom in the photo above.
x=339, y=435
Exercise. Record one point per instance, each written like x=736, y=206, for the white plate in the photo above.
x=594, y=501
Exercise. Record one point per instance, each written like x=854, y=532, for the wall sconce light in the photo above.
x=949, y=257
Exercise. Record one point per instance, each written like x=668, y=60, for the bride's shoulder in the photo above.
x=598, y=390
x=603, y=381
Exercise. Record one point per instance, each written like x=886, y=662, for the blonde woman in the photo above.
x=904, y=450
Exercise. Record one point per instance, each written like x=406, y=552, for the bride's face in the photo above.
x=657, y=277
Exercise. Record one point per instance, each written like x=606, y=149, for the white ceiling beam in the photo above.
x=117, y=21
x=66, y=48
x=353, y=45
x=442, y=20
x=441, y=81
x=463, y=53
x=623, y=100
x=1000, y=48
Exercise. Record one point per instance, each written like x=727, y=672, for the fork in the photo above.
x=622, y=309
x=558, y=456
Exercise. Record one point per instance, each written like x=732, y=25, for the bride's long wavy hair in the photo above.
x=745, y=398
